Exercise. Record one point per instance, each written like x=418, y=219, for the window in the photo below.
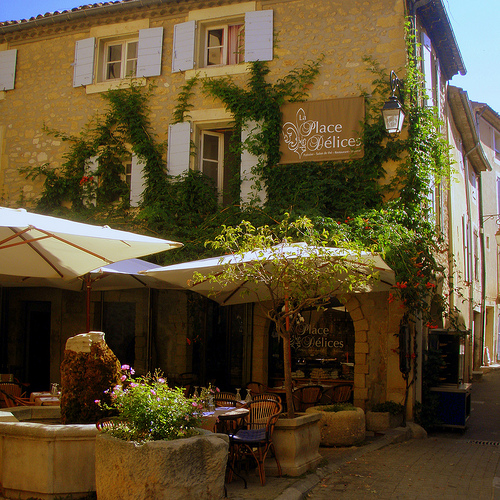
x=430, y=69
x=216, y=161
x=120, y=59
x=497, y=145
x=209, y=39
x=224, y=45
x=108, y=58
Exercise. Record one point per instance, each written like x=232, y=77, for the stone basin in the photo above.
x=43, y=459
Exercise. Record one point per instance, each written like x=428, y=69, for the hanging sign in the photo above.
x=322, y=130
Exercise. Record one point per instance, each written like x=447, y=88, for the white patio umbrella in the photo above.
x=242, y=292
x=40, y=246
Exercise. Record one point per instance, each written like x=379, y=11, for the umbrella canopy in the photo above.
x=40, y=246
x=242, y=292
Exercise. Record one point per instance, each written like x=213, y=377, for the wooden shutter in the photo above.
x=427, y=69
x=7, y=69
x=136, y=181
x=248, y=161
x=149, y=52
x=259, y=36
x=179, y=148
x=83, y=73
x=183, y=46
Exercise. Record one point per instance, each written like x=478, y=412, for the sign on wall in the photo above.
x=322, y=130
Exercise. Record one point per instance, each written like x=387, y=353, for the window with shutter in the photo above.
x=112, y=58
x=211, y=40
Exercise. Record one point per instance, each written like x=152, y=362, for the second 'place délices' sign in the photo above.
x=322, y=130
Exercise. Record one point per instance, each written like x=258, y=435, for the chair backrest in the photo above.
x=109, y=423
x=260, y=411
x=341, y=393
x=225, y=399
x=256, y=388
x=267, y=396
x=11, y=388
x=307, y=396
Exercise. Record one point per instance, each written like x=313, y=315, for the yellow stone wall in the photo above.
x=343, y=31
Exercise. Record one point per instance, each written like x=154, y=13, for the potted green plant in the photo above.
x=152, y=446
x=341, y=424
x=383, y=416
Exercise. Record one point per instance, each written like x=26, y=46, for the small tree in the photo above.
x=289, y=277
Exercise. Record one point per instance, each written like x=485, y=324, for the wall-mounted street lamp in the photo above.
x=497, y=217
x=392, y=111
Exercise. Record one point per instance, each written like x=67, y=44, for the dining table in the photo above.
x=45, y=398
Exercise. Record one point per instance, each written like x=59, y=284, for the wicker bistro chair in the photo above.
x=307, y=396
x=256, y=388
x=256, y=440
x=223, y=399
x=340, y=393
x=12, y=395
x=267, y=396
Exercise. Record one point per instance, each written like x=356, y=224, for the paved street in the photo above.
x=446, y=465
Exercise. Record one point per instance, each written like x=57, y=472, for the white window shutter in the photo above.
x=7, y=69
x=183, y=48
x=427, y=69
x=149, y=52
x=84, y=62
x=179, y=148
x=259, y=36
x=248, y=194
x=136, y=181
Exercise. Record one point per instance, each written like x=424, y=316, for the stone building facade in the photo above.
x=54, y=69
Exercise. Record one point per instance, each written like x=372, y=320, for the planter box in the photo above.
x=341, y=428
x=297, y=443
x=45, y=461
x=183, y=469
x=377, y=421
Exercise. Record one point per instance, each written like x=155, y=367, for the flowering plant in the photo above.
x=148, y=409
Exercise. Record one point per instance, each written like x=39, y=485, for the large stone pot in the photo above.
x=182, y=469
x=341, y=428
x=297, y=445
x=378, y=421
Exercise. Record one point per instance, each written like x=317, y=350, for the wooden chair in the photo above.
x=307, y=396
x=340, y=393
x=13, y=395
x=267, y=396
x=255, y=441
x=223, y=399
x=256, y=388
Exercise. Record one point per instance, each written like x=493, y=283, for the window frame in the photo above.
x=103, y=57
x=226, y=47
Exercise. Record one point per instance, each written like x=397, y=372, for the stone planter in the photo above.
x=297, y=445
x=182, y=469
x=377, y=421
x=341, y=428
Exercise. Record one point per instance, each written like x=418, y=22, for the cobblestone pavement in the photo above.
x=437, y=468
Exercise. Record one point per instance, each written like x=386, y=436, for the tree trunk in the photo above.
x=287, y=365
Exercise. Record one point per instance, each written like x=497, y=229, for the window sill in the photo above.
x=234, y=69
x=115, y=84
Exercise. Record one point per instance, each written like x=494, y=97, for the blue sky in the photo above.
x=475, y=25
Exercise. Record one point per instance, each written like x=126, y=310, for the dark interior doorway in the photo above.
x=118, y=325
x=37, y=345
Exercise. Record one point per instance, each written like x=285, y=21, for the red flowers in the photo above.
x=401, y=285
x=86, y=179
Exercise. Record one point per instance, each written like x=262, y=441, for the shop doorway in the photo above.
x=322, y=347
x=118, y=325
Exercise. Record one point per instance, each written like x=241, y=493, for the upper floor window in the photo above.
x=224, y=45
x=222, y=41
x=108, y=58
x=496, y=144
x=120, y=59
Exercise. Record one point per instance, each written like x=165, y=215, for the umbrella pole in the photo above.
x=88, y=286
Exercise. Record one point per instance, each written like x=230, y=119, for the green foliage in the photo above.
x=388, y=407
x=151, y=410
x=336, y=407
